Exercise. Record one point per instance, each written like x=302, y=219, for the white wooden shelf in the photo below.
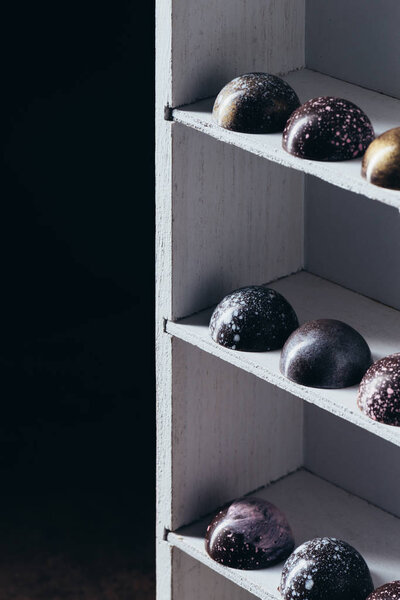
x=312, y=298
x=384, y=112
x=314, y=508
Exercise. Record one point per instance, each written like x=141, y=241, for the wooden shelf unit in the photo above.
x=233, y=210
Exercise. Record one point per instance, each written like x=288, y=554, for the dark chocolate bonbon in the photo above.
x=250, y=533
x=379, y=391
x=328, y=128
x=381, y=162
x=325, y=569
x=254, y=319
x=325, y=353
x=388, y=591
x=255, y=103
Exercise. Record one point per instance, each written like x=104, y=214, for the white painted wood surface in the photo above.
x=236, y=220
x=352, y=458
x=214, y=41
x=232, y=433
x=383, y=111
x=352, y=240
x=355, y=41
x=163, y=294
x=194, y=581
x=226, y=217
x=314, y=508
x=312, y=298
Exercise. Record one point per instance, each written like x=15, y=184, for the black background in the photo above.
x=76, y=247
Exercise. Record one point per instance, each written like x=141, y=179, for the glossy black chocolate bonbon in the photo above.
x=253, y=319
x=325, y=353
x=325, y=569
x=250, y=533
x=388, y=591
x=379, y=391
x=328, y=128
x=255, y=103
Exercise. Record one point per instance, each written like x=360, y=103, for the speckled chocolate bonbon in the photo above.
x=381, y=162
x=250, y=533
x=255, y=103
x=325, y=569
x=253, y=319
x=379, y=391
x=325, y=353
x=327, y=128
x=388, y=591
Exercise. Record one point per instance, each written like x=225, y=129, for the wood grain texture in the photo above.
x=353, y=459
x=237, y=220
x=382, y=110
x=312, y=298
x=163, y=292
x=213, y=42
x=314, y=508
x=194, y=581
x=232, y=433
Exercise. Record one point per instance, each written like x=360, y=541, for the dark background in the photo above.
x=76, y=319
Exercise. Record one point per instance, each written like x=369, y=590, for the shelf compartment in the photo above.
x=312, y=298
x=383, y=111
x=314, y=508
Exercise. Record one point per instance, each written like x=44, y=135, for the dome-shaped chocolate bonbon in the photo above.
x=253, y=319
x=325, y=353
x=327, y=128
x=379, y=391
x=255, y=103
x=388, y=591
x=250, y=533
x=381, y=162
x=325, y=569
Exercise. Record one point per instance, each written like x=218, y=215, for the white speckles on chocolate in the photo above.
x=325, y=353
x=379, y=391
x=255, y=103
x=250, y=533
x=327, y=128
x=325, y=569
x=389, y=591
x=253, y=319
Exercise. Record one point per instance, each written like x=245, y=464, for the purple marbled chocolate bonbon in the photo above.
x=328, y=128
x=250, y=533
x=379, y=391
x=325, y=569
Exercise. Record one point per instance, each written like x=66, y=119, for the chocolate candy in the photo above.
x=250, y=533
x=255, y=103
x=253, y=318
x=389, y=591
x=328, y=128
x=326, y=354
x=381, y=162
x=379, y=391
x=325, y=569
